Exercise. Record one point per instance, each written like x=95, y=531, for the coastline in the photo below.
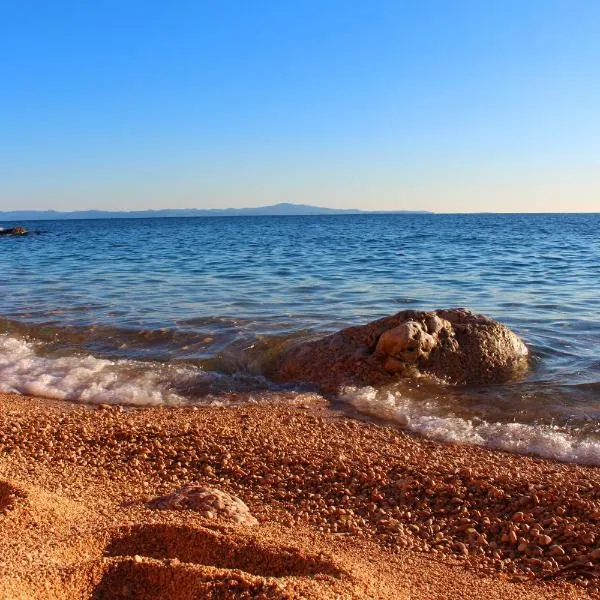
x=369, y=510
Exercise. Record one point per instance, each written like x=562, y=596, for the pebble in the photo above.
x=335, y=475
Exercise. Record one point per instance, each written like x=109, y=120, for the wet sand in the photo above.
x=345, y=508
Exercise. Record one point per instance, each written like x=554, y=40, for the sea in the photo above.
x=191, y=311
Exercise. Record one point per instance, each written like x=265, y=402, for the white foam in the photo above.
x=85, y=378
x=82, y=378
x=427, y=418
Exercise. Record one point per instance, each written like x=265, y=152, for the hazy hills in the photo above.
x=274, y=209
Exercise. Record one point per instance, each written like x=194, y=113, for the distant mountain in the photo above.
x=275, y=209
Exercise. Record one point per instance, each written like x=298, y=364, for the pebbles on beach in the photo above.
x=509, y=516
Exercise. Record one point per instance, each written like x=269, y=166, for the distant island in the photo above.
x=274, y=209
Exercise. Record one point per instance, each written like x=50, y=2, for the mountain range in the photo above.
x=274, y=209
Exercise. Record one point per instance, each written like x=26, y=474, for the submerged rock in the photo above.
x=14, y=231
x=211, y=502
x=454, y=345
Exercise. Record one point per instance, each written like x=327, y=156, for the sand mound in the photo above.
x=224, y=551
x=142, y=578
x=147, y=579
x=178, y=562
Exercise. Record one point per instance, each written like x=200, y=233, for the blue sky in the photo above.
x=445, y=106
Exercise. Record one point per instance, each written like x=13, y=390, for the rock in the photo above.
x=455, y=346
x=14, y=231
x=544, y=540
x=211, y=502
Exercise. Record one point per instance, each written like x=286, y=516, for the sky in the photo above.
x=448, y=106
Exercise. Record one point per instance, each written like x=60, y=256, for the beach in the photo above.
x=300, y=301
x=346, y=508
x=179, y=311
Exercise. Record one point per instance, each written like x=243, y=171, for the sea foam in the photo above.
x=84, y=378
x=427, y=419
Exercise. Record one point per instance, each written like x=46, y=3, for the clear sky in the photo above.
x=482, y=105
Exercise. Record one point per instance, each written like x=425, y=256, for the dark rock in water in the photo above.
x=455, y=345
x=14, y=231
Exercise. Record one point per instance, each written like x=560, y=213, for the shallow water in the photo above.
x=181, y=310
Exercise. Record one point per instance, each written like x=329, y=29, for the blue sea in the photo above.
x=189, y=311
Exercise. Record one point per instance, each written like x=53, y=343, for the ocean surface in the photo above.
x=176, y=311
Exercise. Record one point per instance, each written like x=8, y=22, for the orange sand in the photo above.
x=346, y=509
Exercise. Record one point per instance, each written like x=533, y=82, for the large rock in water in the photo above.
x=454, y=345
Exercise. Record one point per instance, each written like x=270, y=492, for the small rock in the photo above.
x=14, y=231
x=211, y=502
x=544, y=540
x=461, y=548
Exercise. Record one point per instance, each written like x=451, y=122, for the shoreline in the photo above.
x=521, y=417
x=395, y=515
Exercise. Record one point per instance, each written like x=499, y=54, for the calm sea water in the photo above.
x=187, y=310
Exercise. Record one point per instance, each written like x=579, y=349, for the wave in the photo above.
x=207, y=338
x=423, y=417
x=88, y=379
x=26, y=367
x=224, y=344
x=83, y=378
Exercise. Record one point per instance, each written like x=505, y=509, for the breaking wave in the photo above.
x=85, y=378
x=426, y=418
x=36, y=368
x=82, y=378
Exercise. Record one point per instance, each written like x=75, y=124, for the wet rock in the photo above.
x=455, y=345
x=14, y=231
x=210, y=502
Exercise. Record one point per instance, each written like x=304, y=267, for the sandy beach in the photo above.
x=345, y=508
x=300, y=300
